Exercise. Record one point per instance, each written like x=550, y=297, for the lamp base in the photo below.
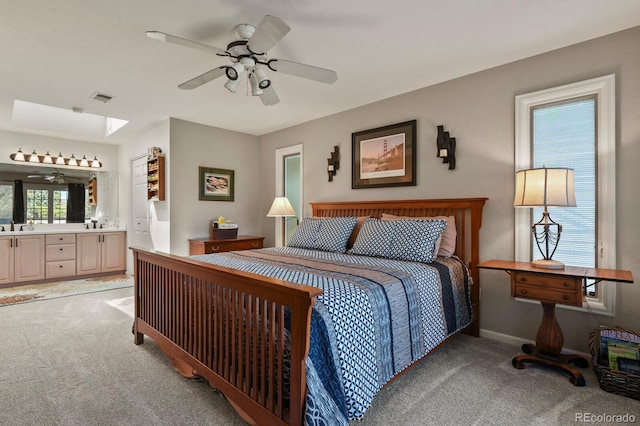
x=548, y=264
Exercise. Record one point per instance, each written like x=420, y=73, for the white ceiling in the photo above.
x=59, y=52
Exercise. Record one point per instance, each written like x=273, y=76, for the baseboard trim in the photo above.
x=518, y=341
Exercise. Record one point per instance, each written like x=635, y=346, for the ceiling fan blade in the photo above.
x=157, y=35
x=269, y=96
x=305, y=71
x=202, y=79
x=267, y=34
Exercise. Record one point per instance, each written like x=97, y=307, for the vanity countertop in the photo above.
x=52, y=229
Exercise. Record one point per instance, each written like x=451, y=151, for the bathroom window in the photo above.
x=46, y=205
x=6, y=203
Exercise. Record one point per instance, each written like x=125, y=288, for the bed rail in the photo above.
x=228, y=327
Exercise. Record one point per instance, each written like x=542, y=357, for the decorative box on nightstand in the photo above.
x=216, y=232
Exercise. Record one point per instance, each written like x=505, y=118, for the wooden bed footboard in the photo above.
x=228, y=327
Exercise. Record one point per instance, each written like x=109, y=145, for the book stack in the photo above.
x=620, y=350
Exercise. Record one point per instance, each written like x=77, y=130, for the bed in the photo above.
x=264, y=329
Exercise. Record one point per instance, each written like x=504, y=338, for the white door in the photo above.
x=139, y=204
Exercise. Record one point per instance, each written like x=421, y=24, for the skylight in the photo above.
x=61, y=120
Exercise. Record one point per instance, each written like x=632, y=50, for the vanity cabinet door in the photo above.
x=113, y=252
x=101, y=252
x=6, y=260
x=89, y=253
x=29, y=258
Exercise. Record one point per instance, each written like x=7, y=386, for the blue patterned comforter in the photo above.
x=374, y=318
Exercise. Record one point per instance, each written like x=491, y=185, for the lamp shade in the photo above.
x=545, y=187
x=281, y=207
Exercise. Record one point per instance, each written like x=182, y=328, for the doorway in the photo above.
x=289, y=183
x=139, y=203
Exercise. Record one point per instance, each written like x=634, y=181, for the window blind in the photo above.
x=564, y=135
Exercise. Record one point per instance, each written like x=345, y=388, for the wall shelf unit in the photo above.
x=155, y=178
x=92, y=187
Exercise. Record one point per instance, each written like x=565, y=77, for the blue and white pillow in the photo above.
x=412, y=240
x=416, y=240
x=305, y=234
x=374, y=238
x=328, y=234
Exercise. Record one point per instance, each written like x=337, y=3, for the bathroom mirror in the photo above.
x=52, y=179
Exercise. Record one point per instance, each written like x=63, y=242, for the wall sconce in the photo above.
x=333, y=162
x=59, y=160
x=446, y=148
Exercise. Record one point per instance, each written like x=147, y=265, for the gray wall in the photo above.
x=478, y=110
x=194, y=145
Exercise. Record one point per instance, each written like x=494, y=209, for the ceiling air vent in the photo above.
x=102, y=97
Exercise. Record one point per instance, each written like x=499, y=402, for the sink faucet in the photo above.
x=12, y=227
x=2, y=228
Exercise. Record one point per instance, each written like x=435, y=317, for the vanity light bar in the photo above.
x=59, y=160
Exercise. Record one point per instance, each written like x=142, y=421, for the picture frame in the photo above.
x=216, y=184
x=384, y=156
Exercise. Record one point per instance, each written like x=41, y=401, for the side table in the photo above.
x=549, y=287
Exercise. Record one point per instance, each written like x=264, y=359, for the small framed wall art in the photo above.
x=385, y=156
x=216, y=184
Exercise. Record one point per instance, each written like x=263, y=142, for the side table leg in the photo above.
x=549, y=339
x=546, y=351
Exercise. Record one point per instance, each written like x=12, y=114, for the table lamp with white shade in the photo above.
x=545, y=187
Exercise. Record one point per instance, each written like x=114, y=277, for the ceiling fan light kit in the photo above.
x=232, y=85
x=235, y=70
x=261, y=76
x=249, y=56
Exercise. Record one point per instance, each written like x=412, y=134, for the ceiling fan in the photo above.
x=248, y=56
x=54, y=177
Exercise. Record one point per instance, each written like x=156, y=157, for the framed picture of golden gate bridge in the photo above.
x=385, y=156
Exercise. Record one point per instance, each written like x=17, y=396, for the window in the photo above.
x=573, y=126
x=38, y=205
x=6, y=203
x=46, y=205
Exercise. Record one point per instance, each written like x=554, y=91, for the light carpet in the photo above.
x=44, y=291
x=73, y=362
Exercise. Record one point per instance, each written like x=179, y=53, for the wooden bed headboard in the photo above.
x=467, y=212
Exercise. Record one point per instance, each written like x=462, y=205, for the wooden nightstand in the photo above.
x=550, y=287
x=206, y=246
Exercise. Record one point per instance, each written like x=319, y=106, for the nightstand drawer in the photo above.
x=206, y=246
x=220, y=246
x=546, y=281
x=525, y=291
